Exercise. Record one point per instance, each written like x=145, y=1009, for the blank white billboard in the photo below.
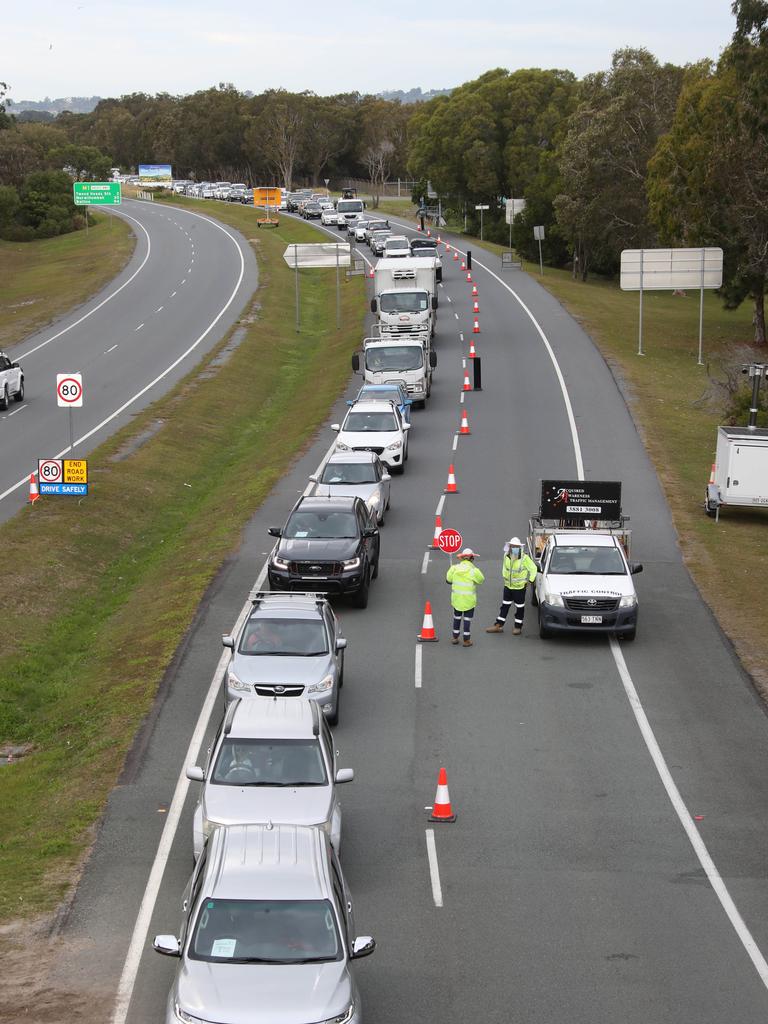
x=671, y=269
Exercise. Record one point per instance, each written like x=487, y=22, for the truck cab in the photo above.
x=405, y=298
x=408, y=362
x=348, y=210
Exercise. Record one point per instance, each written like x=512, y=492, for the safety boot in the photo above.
x=516, y=631
x=454, y=639
x=495, y=628
x=467, y=643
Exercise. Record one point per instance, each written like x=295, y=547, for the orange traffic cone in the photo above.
x=429, y=233
x=370, y=272
x=469, y=275
x=474, y=291
x=438, y=530
x=455, y=256
x=472, y=350
x=439, y=240
x=418, y=227
x=476, y=328
x=712, y=474
x=450, y=487
x=467, y=385
x=447, y=246
x=475, y=306
x=464, y=428
x=463, y=265
x=34, y=490
x=427, y=634
x=441, y=808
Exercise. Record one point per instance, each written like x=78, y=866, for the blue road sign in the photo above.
x=76, y=489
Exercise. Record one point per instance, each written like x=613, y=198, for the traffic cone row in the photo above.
x=474, y=291
x=464, y=428
x=476, y=327
x=472, y=349
x=450, y=487
x=467, y=386
x=455, y=256
x=463, y=265
x=469, y=275
x=475, y=306
x=438, y=531
x=34, y=490
x=427, y=634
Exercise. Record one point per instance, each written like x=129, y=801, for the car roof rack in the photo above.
x=260, y=596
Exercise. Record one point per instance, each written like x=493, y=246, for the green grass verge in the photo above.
x=100, y=593
x=40, y=281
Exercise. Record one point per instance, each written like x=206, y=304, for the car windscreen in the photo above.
x=397, y=243
x=394, y=357
x=350, y=206
x=378, y=225
x=582, y=560
x=349, y=473
x=321, y=526
x=383, y=393
x=290, y=638
x=423, y=244
x=403, y=302
x=370, y=422
x=251, y=762
x=265, y=931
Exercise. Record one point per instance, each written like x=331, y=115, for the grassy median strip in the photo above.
x=42, y=280
x=100, y=592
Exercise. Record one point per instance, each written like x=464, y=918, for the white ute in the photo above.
x=11, y=381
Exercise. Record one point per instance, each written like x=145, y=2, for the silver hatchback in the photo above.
x=271, y=760
x=290, y=646
x=267, y=932
x=356, y=474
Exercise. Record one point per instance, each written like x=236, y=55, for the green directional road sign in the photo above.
x=97, y=193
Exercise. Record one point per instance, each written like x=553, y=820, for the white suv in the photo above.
x=375, y=427
x=397, y=245
x=11, y=381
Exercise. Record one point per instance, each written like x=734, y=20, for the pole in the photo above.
x=640, y=330
x=338, y=291
x=510, y=234
x=86, y=221
x=541, y=261
x=481, y=225
x=701, y=311
x=296, y=267
x=71, y=431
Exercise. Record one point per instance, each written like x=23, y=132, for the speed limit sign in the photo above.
x=49, y=470
x=69, y=390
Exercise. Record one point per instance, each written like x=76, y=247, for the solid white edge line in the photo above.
x=95, y=309
x=434, y=870
x=417, y=667
x=425, y=563
x=168, y=835
x=25, y=479
x=686, y=820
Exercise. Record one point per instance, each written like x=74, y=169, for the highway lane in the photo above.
x=570, y=890
x=186, y=284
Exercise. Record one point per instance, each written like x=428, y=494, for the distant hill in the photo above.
x=77, y=104
x=413, y=95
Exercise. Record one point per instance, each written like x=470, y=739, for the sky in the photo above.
x=62, y=48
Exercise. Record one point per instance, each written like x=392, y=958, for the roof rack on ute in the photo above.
x=260, y=596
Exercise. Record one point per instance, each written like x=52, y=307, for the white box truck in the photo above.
x=405, y=296
x=348, y=210
x=408, y=361
x=740, y=473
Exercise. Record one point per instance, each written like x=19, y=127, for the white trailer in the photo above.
x=740, y=473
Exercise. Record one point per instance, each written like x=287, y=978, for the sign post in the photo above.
x=481, y=207
x=319, y=254
x=538, y=234
x=69, y=395
x=512, y=207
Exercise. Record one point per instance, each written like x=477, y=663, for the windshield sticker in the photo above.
x=302, y=533
x=223, y=947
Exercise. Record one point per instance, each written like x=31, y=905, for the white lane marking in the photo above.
x=148, y=900
x=110, y=350
x=139, y=327
x=425, y=563
x=463, y=363
x=461, y=337
x=160, y=309
x=172, y=294
x=448, y=296
x=456, y=315
x=417, y=667
x=461, y=397
x=439, y=509
x=184, y=281
x=189, y=271
x=169, y=369
x=109, y=298
x=455, y=442
x=192, y=262
x=434, y=870
x=20, y=409
x=686, y=820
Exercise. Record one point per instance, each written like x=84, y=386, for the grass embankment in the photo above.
x=99, y=593
x=42, y=280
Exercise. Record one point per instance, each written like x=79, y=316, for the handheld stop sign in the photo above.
x=449, y=541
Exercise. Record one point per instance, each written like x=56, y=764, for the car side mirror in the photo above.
x=336, y=427
x=15, y=366
x=434, y=302
x=345, y=775
x=228, y=641
x=370, y=531
x=169, y=945
x=356, y=362
x=409, y=401
x=313, y=477
x=433, y=359
x=341, y=643
x=274, y=531
x=195, y=773
x=406, y=426
x=363, y=945
x=385, y=477
x=635, y=567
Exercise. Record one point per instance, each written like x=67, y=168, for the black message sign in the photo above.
x=581, y=499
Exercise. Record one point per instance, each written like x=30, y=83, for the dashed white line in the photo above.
x=439, y=509
x=160, y=309
x=110, y=350
x=434, y=870
x=172, y=294
x=461, y=398
x=455, y=442
x=184, y=281
x=20, y=409
x=448, y=296
x=139, y=327
x=425, y=563
x=456, y=315
x=417, y=667
x=461, y=337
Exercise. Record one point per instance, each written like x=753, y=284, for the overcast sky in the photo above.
x=101, y=47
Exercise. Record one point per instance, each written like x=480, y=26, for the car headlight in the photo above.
x=235, y=682
x=554, y=600
x=325, y=684
x=351, y=563
x=393, y=447
x=341, y=447
x=188, y=1018
x=280, y=563
x=343, y=1017
x=628, y=601
x=375, y=500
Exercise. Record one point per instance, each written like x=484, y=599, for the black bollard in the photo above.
x=469, y=259
x=478, y=369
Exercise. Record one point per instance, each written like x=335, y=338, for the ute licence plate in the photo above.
x=591, y=620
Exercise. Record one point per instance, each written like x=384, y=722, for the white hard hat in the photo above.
x=467, y=553
x=515, y=542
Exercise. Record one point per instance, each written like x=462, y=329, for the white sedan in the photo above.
x=375, y=427
x=329, y=216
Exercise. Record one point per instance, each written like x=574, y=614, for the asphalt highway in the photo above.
x=184, y=287
x=608, y=862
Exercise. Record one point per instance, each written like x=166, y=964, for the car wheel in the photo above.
x=334, y=718
x=544, y=633
x=4, y=401
x=19, y=396
x=361, y=597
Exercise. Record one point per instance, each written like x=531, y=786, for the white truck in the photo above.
x=11, y=381
x=408, y=361
x=581, y=547
x=405, y=296
x=348, y=210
